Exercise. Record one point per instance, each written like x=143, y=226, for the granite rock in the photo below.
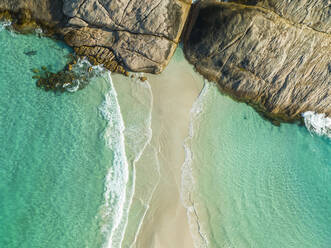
x=142, y=34
x=315, y=14
x=280, y=66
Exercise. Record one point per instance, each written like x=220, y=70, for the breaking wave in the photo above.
x=317, y=123
x=83, y=72
x=5, y=24
x=127, y=135
x=117, y=177
x=138, y=134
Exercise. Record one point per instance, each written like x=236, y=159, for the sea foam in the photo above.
x=138, y=134
x=188, y=182
x=127, y=135
x=5, y=24
x=317, y=123
x=81, y=69
x=117, y=177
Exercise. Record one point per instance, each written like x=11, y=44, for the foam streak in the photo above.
x=188, y=183
x=117, y=177
x=142, y=140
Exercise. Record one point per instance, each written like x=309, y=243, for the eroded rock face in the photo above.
x=281, y=67
x=144, y=34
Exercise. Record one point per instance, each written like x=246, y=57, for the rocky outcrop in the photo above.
x=269, y=54
x=143, y=35
x=47, y=11
x=101, y=56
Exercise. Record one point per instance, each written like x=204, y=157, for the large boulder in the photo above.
x=144, y=34
x=274, y=62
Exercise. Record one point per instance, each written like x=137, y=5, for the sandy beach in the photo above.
x=174, y=92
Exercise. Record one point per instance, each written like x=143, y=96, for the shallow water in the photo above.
x=48, y=152
x=256, y=185
x=66, y=174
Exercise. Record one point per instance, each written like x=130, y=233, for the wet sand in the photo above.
x=174, y=92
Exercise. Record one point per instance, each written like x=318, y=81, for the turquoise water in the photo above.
x=256, y=185
x=62, y=173
x=66, y=160
x=52, y=154
x=67, y=164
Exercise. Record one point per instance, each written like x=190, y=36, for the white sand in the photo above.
x=174, y=92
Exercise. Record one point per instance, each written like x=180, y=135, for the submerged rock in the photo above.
x=30, y=53
x=75, y=76
x=280, y=66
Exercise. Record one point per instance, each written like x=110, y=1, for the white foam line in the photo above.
x=117, y=177
x=147, y=205
x=317, y=123
x=138, y=156
x=188, y=182
x=118, y=231
x=150, y=134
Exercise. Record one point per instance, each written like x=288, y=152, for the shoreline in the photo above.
x=175, y=94
x=174, y=91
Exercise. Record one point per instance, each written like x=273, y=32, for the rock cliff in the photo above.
x=274, y=55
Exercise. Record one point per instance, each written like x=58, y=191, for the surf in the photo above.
x=244, y=169
x=5, y=24
x=317, y=123
x=127, y=134
x=117, y=177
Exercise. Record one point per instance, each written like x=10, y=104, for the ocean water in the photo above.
x=66, y=160
x=255, y=184
x=68, y=175
x=51, y=154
